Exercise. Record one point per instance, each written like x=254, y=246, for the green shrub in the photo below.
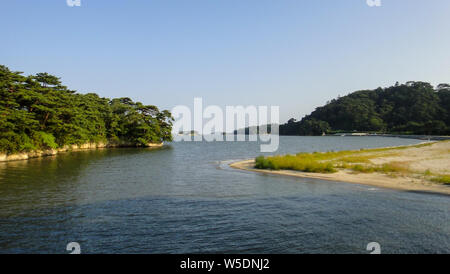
x=44, y=140
x=263, y=163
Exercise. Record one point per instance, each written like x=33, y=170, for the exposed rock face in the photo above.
x=50, y=152
x=155, y=145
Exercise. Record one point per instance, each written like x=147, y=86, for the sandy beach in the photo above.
x=434, y=158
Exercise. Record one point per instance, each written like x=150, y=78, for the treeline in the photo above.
x=411, y=108
x=38, y=112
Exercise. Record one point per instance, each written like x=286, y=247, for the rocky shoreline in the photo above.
x=51, y=152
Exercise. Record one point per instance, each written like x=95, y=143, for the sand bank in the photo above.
x=430, y=159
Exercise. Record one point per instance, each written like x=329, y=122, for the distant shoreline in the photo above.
x=419, y=158
x=417, y=137
x=364, y=134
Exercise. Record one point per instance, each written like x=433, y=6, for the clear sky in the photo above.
x=296, y=54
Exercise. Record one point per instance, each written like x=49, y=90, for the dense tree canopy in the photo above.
x=411, y=108
x=38, y=112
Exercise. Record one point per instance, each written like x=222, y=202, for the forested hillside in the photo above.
x=38, y=112
x=411, y=108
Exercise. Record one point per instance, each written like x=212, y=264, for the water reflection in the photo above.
x=54, y=181
x=183, y=198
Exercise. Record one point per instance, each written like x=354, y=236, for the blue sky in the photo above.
x=292, y=53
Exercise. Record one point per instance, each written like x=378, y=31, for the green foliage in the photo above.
x=37, y=112
x=44, y=140
x=411, y=108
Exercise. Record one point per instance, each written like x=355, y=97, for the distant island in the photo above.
x=411, y=108
x=38, y=113
x=191, y=133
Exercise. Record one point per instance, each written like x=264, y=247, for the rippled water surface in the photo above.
x=185, y=199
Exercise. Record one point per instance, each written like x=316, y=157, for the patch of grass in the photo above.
x=399, y=167
x=427, y=173
x=362, y=169
x=291, y=162
x=392, y=167
x=442, y=179
x=437, y=178
x=355, y=159
x=343, y=166
x=349, y=156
